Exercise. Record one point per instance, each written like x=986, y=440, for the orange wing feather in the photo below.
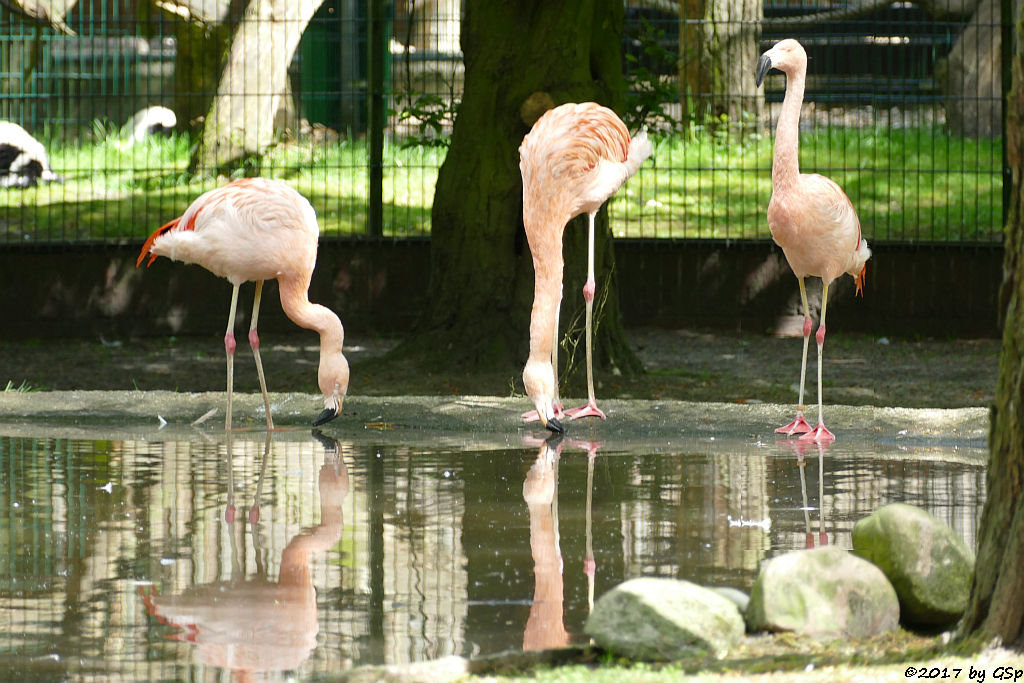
x=166, y=227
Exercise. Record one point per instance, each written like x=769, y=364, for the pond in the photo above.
x=186, y=555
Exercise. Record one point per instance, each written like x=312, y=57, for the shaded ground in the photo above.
x=691, y=365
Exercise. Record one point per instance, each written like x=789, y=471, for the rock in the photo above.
x=733, y=595
x=927, y=563
x=825, y=593
x=664, y=619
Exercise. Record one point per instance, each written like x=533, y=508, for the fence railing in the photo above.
x=903, y=109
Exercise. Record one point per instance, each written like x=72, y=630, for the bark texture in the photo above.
x=971, y=76
x=240, y=123
x=718, y=51
x=996, y=609
x=481, y=287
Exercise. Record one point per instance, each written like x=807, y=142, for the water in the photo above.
x=183, y=559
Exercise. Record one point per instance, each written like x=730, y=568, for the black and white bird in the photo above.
x=23, y=160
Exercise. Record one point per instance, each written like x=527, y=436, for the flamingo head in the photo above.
x=786, y=55
x=333, y=380
x=539, y=380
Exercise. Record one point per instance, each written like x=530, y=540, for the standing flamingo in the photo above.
x=810, y=217
x=259, y=229
x=575, y=157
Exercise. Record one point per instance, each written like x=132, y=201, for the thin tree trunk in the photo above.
x=996, y=609
x=240, y=123
x=481, y=285
x=718, y=49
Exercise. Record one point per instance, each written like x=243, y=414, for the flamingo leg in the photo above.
x=590, y=409
x=820, y=432
x=229, y=350
x=799, y=424
x=254, y=343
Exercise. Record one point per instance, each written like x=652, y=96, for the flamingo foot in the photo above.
x=589, y=410
x=798, y=426
x=533, y=416
x=819, y=433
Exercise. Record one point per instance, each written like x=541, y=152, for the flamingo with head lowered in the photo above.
x=260, y=229
x=574, y=159
x=810, y=217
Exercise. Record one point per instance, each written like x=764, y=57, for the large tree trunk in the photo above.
x=481, y=286
x=996, y=608
x=240, y=124
x=716, y=58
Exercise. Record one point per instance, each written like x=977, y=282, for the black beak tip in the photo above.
x=555, y=426
x=764, y=65
x=326, y=416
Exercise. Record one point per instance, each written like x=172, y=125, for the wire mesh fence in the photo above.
x=902, y=108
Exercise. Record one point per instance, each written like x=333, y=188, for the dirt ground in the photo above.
x=694, y=365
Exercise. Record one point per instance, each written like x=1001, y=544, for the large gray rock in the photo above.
x=927, y=563
x=664, y=619
x=824, y=593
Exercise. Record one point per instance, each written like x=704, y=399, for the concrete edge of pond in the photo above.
x=483, y=422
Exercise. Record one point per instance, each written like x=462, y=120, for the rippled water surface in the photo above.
x=185, y=558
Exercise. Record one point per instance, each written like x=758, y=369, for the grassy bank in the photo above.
x=911, y=184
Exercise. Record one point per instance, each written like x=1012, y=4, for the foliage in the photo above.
x=651, y=93
x=430, y=114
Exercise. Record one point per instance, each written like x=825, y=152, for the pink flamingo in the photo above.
x=574, y=159
x=810, y=217
x=259, y=229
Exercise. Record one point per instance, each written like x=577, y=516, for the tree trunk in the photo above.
x=717, y=58
x=996, y=608
x=971, y=76
x=240, y=124
x=481, y=286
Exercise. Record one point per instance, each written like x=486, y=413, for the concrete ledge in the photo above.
x=483, y=422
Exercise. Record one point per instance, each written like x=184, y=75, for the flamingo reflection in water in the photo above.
x=545, y=628
x=800, y=448
x=252, y=624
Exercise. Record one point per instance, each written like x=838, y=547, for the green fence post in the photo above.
x=377, y=114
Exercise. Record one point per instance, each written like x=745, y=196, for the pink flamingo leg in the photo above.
x=820, y=432
x=590, y=409
x=254, y=343
x=229, y=350
x=799, y=424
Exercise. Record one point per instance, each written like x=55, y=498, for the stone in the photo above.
x=733, y=595
x=664, y=619
x=927, y=562
x=826, y=592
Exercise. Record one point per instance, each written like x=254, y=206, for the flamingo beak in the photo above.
x=764, y=65
x=555, y=426
x=326, y=416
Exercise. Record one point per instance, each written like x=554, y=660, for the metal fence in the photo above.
x=903, y=109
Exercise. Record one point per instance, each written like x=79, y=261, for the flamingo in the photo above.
x=259, y=229
x=810, y=217
x=575, y=157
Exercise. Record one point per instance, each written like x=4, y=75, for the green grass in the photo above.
x=912, y=184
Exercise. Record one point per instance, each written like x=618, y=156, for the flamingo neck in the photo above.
x=786, y=161
x=301, y=311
